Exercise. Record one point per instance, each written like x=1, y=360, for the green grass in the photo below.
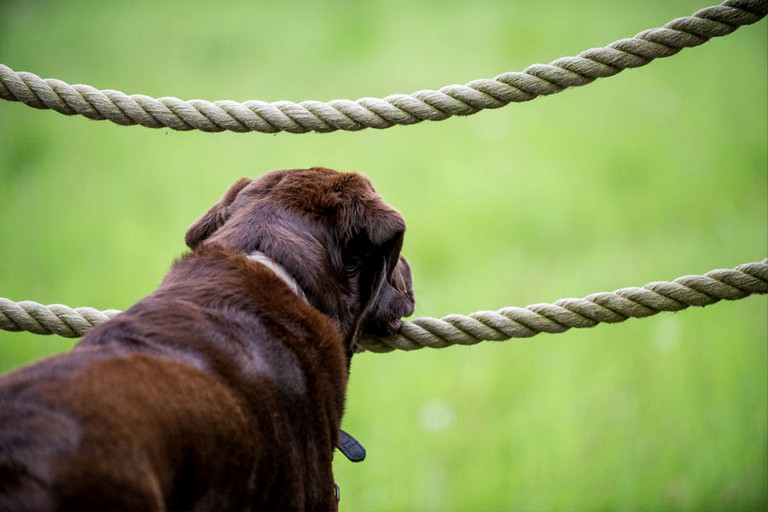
x=649, y=175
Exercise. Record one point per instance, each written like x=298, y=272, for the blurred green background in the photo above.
x=649, y=175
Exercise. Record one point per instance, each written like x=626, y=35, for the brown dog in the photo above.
x=224, y=389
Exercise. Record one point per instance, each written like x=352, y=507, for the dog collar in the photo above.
x=351, y=447
x=278, y=270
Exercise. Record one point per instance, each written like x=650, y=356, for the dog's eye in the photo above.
x=353, y=264
x=352, y=267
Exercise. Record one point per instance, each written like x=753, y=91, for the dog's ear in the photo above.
x=215, y=217
x=374, y=229
x=385, y=226
x=362, y=212
x=375, y=251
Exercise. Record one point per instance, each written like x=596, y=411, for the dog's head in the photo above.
x=332, y=232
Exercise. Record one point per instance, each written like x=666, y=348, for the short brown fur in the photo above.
x=222, y=390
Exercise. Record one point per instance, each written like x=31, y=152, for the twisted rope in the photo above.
x=506, y=323
x=58, y=319
x=564, y=314
x=397, y=109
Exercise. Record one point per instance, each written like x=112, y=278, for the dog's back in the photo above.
x=115, y=431
x=173, y=405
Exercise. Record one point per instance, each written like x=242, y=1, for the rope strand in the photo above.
x=501, y=325
x=396, y=109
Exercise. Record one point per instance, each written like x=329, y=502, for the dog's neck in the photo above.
x=279, y=271
x=348, y=445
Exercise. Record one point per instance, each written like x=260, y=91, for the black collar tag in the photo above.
x=351, y=449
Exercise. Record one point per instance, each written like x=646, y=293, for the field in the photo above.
x=649, y=175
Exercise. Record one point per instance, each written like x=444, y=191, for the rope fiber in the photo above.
x=501, y=325
x=396, y=109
